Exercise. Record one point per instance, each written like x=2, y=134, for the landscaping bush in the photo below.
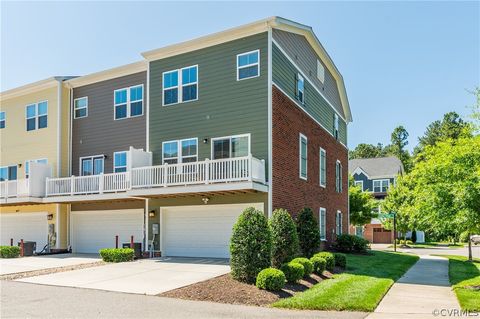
x=319, y=264
x=329, y=259
x=250, y=245
x=351, y=243
x=308, y=232
x=284, y=237
x=409, y=242
x=293, y=271
x=116, y=255
x=340, y=260
x=306, y=263
x=270, y=279
x=9, y=251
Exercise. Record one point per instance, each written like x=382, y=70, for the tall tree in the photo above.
x=399, y=141
x=361, y=205
x=364, y=150
x=475, y=115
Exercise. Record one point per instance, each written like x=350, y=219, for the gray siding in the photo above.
x=300, y=51
x=284, y=75
x=99, y=133
x=224, y=107
x=368, y=183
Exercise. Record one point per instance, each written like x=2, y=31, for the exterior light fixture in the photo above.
x=49, y=216
x=151, y=213
x=205, y=140
x=205, y=200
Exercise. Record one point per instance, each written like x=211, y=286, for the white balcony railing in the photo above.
x=227, y=170
x=14, y=188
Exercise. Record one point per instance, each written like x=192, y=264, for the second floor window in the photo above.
x=80, y=107
x=180, y=151
x=119, y=162
x=359, y=184
x=37, y=116
x=8, y=173
x=303, y=156
x=91, y=165
x=231, y=146
x=300, y=88
x=322, y=223
x=3, y=120
x=381, y=185
x=180, y=85
x=248, y=65
x=128, y=102
x=323, y=167
x=338, y=177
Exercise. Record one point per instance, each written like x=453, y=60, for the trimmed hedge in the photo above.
x=308, y=232
x=284, y=237
x=340, y=260
x=270, y=279
x=319, y=264
x=116, y=255
x=307, y=265
x=350, y=243
x=9, y=251
x=293, y=271
x=329, y=259
x=250, y=245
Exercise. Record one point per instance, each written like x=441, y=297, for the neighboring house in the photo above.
x=171, y=149
x=34, y=127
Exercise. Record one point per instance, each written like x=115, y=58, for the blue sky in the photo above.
x=404, y=63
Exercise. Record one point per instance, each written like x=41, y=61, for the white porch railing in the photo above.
x=227, y=170
x=14, y=188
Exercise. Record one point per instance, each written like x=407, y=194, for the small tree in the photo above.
x=308, y=232
x=361, y=205
x=284, y=237
x=250, y=245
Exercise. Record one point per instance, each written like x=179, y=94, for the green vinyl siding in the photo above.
x=284, y=75
x=224, y=107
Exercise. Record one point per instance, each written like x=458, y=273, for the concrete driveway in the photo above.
x=145, y=276
x=16, y=265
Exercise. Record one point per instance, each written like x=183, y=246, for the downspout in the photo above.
x=147, y=148
x=270, y=124
x=59, y=128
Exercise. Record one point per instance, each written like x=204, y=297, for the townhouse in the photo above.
x=172, y=148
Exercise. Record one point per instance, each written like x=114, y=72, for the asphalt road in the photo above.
x=25, y=300
x=463, y=251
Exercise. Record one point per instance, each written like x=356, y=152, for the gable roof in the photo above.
x=33, y=87
x=380, y=167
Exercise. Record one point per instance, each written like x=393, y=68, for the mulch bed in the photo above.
x=47, y=271
x=224, y=289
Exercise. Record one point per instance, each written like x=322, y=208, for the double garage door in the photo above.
x=26, y=226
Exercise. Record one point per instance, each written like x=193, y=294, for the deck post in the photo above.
x=72, y=184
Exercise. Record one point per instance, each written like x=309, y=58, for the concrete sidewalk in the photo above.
x=421, y=293
x=23, y=264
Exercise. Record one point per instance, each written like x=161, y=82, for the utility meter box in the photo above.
x=155, y=229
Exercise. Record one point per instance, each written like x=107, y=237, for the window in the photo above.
x=81, y=107
x=339, y=222
x=231, y=146
x=8, y=173
x=338, y=177
x=323, y=167
x=320, y=71
x=91, y=165
x=27, y=165
x=303, y=156
x=359, y=231
x=3, y=120
x=37, y=116
x=300, y=88
x=359, y=184
x=248, y=65
x=174, y=93
x=335, y=126
x=380, y=185
x=128, y=102
x=180, y=151
x=120, y=162
x=322, y=223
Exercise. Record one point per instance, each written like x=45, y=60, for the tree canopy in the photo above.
x=361, y=205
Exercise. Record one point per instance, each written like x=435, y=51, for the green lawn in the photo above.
x=361, y=287
x=432, y=245
x=464, y=276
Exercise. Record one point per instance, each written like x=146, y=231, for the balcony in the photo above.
x=242, y=173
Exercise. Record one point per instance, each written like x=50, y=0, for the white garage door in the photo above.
x=26, y=226
x=200, y=231
x=94, y=230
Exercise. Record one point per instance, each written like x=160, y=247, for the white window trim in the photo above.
x=336, y=126
x=230, y=137
x=381, y=182
x=7, y=167
x=34, y=161
x=126, y=161
x=180, y=86
x=248, y=65
x=300, y=78
x=300, y=157
x=339, y=223
x=322, y=224
x=36, y=116
x=128, y=102
x=320, y=168
x=5, y=118
x=358, y=182
x=81, y=108
x=320, y=72
x=338, y=177
x=92, y=157
x=179, y=150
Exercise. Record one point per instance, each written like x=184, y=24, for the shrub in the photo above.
x=293, y=271
x=9, y=251
x=284, y=237
x=250, y=245
x=306, y=263
x=308, y=232
x=117, y=255
x=351, y=243
x=340, y=260
x=270, y=279
x=329, y=259
x=409, y=242
x=463, y=238
x=319, y=264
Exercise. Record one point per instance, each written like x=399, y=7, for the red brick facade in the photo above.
x=291, y=192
